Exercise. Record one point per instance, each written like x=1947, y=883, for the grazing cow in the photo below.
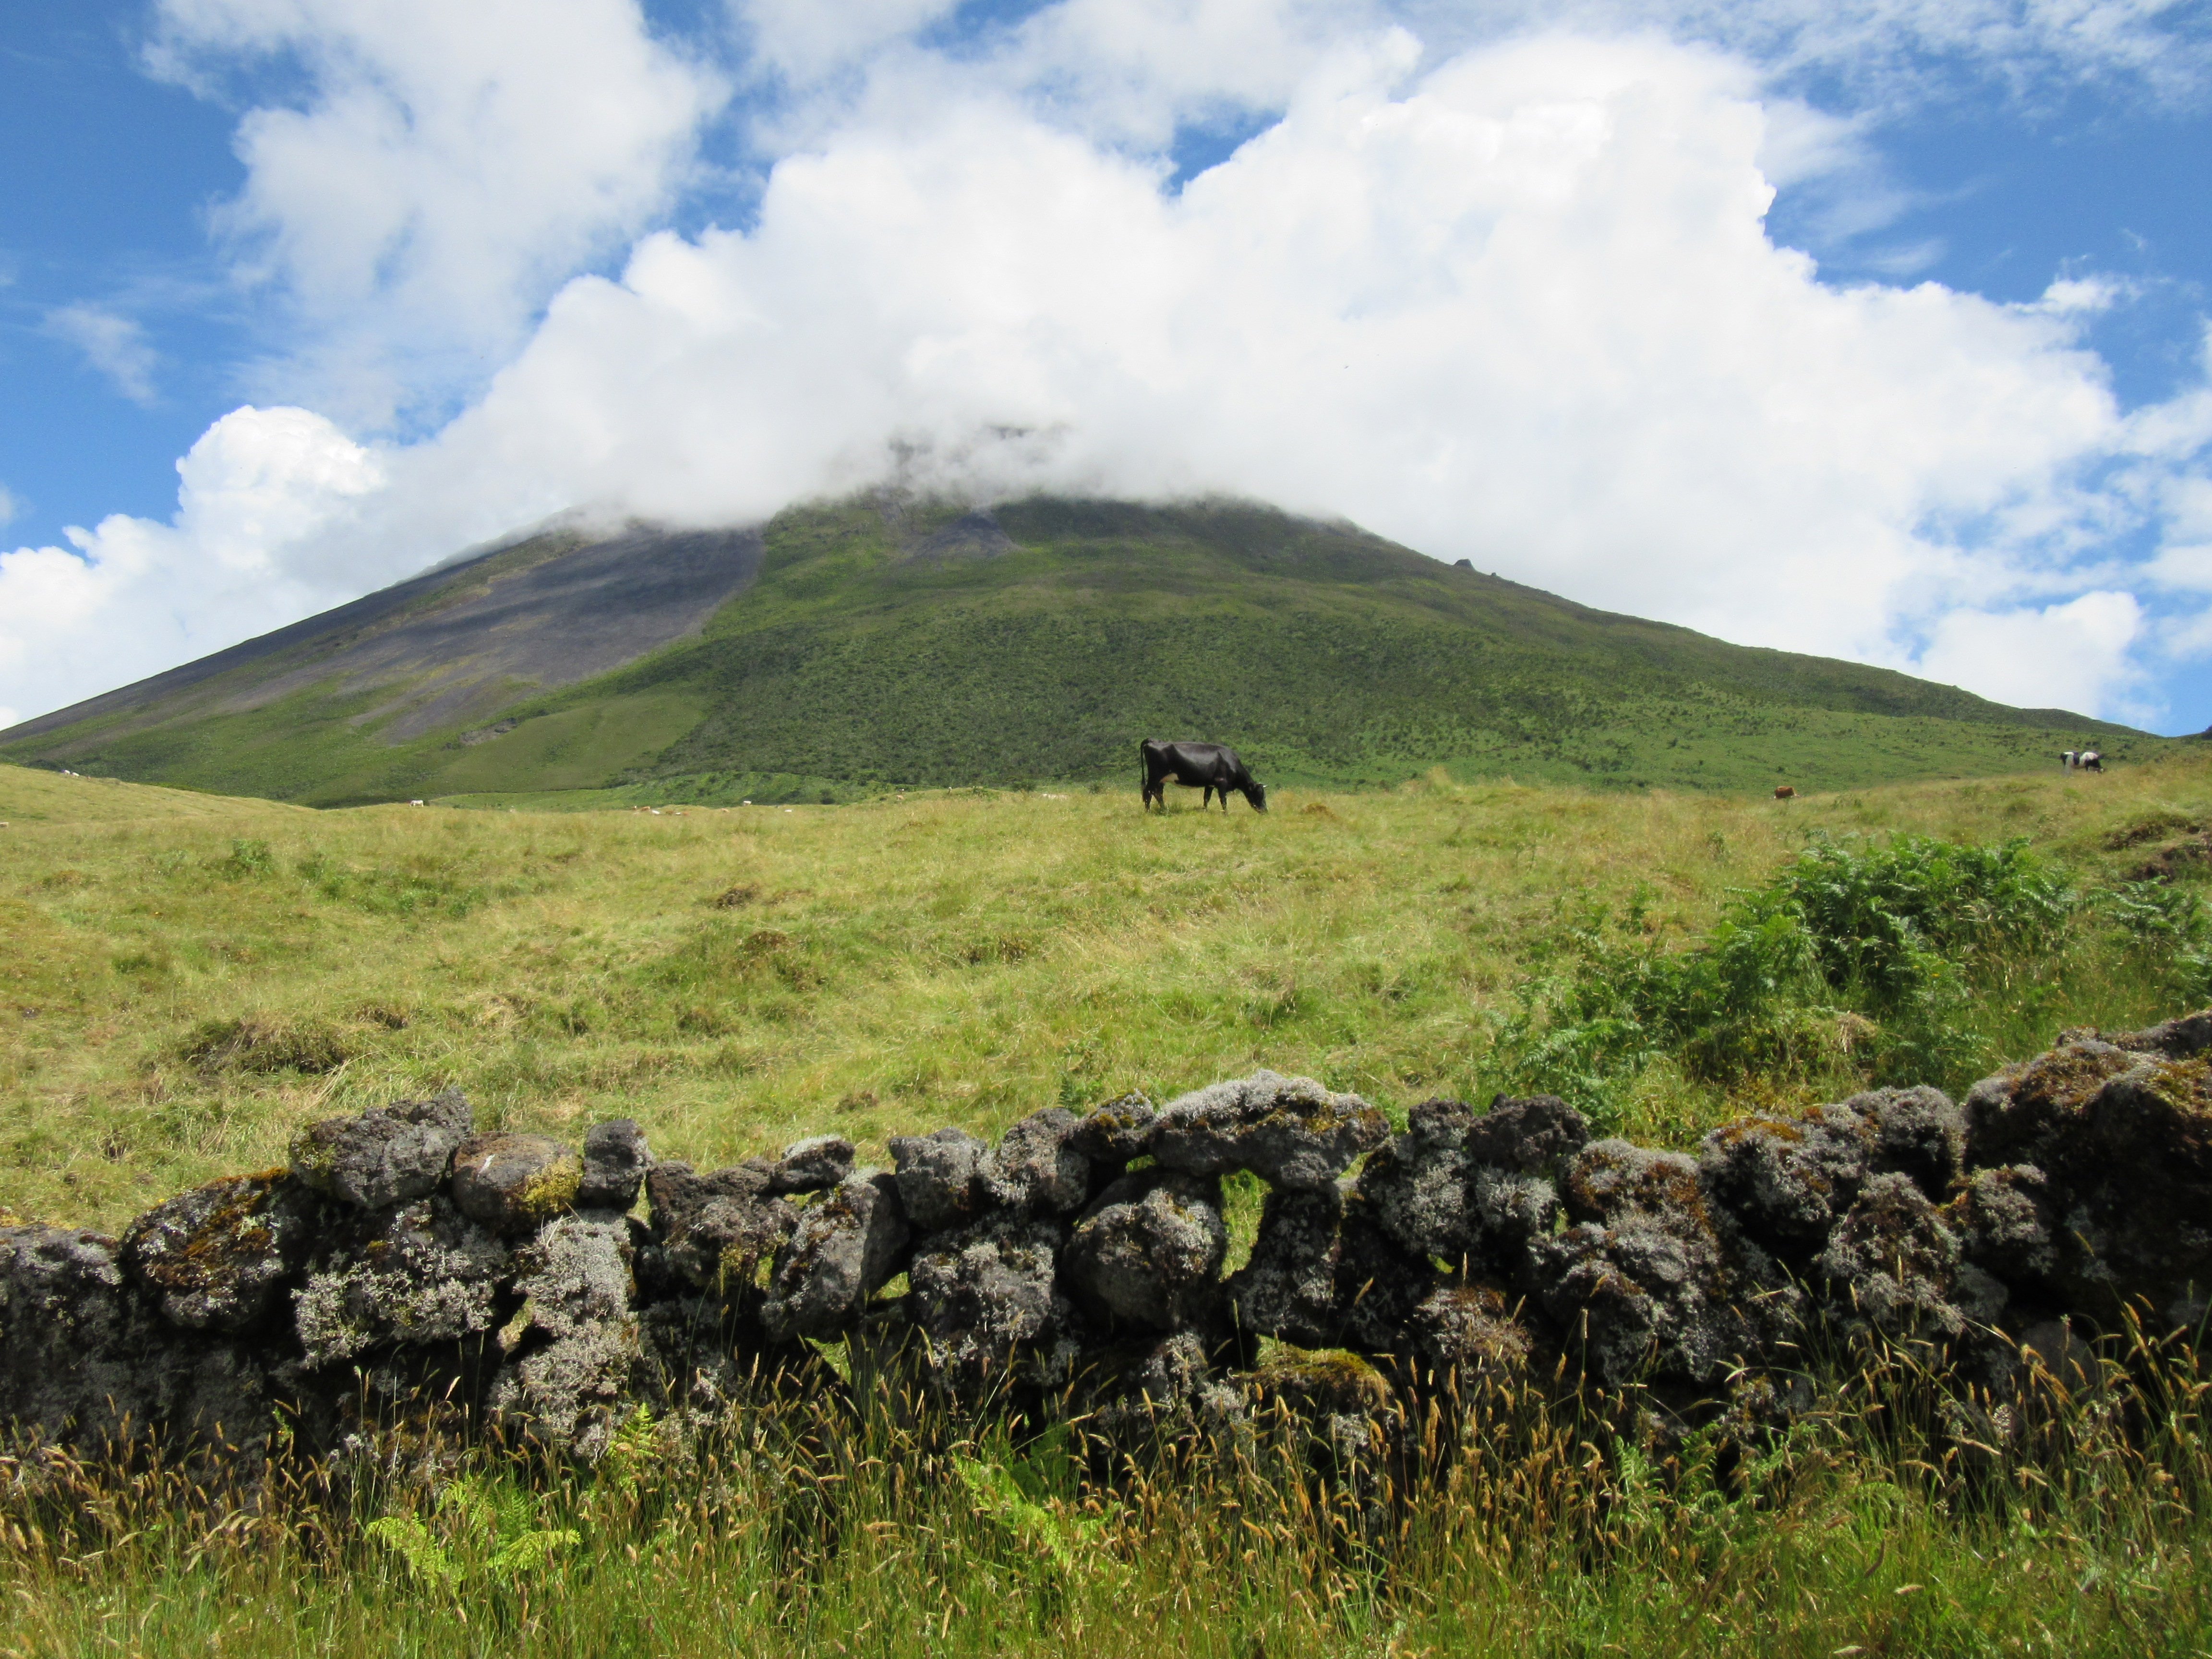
x=1784, y=792
x=2091, y=761
x=1212, y=767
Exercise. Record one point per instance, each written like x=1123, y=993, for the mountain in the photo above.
x=879, y=641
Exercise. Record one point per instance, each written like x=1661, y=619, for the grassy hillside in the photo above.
x=184, y=989
x=880, y=646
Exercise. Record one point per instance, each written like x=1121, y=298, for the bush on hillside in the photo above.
x=1859, y=961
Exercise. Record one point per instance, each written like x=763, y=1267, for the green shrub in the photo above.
x=1858, y=962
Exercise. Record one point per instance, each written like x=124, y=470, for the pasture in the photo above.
x=189, y=978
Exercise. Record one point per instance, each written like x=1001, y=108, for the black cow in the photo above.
x=1212, y=767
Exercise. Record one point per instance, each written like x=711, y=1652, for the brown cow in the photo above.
x=1784, y=792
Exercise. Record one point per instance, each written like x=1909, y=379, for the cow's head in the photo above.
x=1257, y=794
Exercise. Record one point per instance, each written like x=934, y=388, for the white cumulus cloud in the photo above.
x=442, y=168
x=2074, y=655
x=1520, y=309
x=246, y=551
x=1501, y=296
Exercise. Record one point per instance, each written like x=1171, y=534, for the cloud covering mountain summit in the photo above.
x=1515, y=300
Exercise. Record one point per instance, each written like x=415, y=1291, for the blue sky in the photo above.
x=158, y=272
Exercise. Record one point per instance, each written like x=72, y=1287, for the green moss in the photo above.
x=1331, y=1379
x=551, y=1189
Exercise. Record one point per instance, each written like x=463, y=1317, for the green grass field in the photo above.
x=188, y=978
x=735, y=978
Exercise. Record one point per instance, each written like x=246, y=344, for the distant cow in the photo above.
x=1212, y=767
x=2091, y=761
x=1784, y=792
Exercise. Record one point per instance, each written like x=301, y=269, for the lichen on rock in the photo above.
x=514, y=1183
x=1147, y=1248
x=218, y=1257
x=386, y=1156
x=846, y=1245
x=1289, y=1130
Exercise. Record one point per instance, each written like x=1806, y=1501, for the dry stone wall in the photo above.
x=404, y=1261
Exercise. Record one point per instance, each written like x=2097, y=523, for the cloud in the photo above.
x=2074, y=655
x=1894, y=51
x=1512, y=299
x=442, y=167
x=1520, y=309
x=10, y=507
x=259, y=496
x=114, y=344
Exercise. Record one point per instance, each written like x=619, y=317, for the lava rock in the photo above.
x=387, y=1156
x=940, y=1178
x=846, y=1247
x=1466, y=1330
x=1653, y=1281
x=515, y=1183
x=1291, y=1131
x=575, y=1347
x=2006, y=1222
x=1530, y=1134
x=1892, y=1266
x=616, y=1158
x=1788, y=1180
x=1473, y=1189
x=218, y=1257
x=1323, y=1275
x=2176, y=1039
x=982, y=1293
x=2124, y=1139
x=1036, y=1167
x=1135, y=1394
x=812, y=1165
x=1345, y=1402
x=715, y=1232
x=2032, y=1112
x=1147, y=1248
x=418, y=1277
x=1117, y=1132
x=78, y=1356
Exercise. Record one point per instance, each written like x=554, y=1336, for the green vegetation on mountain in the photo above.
x=915, y=647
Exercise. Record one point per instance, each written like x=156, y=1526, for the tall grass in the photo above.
x=1509, y=1520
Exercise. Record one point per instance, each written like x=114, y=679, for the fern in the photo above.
x=501, y=1521
x=427, y=1559
x=998, y=1495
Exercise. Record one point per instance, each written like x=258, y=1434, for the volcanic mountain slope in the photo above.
x=881, y=641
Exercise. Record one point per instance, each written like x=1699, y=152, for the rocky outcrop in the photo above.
x=1077, y=1264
